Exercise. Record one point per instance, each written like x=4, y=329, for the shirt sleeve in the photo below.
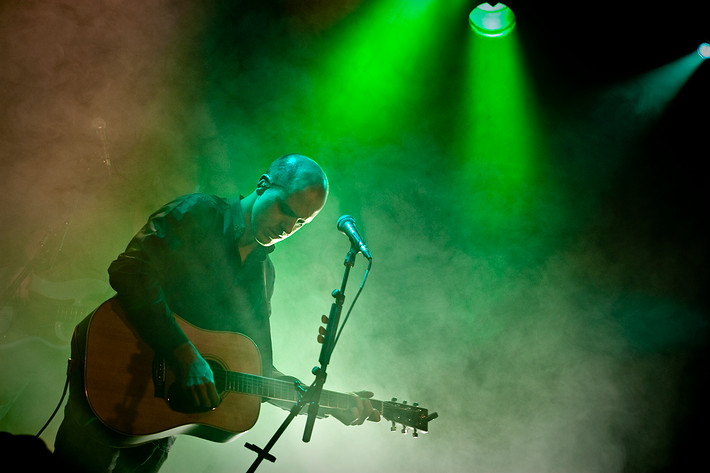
x=137, y=273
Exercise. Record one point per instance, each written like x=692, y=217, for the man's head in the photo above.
x=290, y=194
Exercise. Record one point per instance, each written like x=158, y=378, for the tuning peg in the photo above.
x=404, y=429
x=394, y=427
x=415, y=434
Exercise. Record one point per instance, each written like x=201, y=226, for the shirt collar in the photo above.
x=238, y=226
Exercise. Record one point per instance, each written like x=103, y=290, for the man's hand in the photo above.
x=196, y=377
x=360, y=413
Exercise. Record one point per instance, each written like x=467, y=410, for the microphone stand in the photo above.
x=311, y=395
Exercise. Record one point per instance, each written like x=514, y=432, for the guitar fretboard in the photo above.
x=284, y=390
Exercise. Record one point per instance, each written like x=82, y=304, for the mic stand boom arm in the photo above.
x=311, y=396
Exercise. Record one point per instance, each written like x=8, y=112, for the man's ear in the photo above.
x=263, y=184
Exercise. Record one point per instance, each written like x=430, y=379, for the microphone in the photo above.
x=346, y=225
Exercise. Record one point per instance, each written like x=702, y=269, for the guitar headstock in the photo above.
x=408, y=415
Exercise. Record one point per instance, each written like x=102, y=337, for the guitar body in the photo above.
x=132, y=393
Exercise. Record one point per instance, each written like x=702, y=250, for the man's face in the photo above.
x=276, y=215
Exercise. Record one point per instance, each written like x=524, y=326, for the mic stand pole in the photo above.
x=311, y=397
x=328, y=343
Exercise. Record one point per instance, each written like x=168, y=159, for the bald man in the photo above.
x=205, y=258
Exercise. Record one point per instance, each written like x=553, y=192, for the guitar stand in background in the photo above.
x=311, y=396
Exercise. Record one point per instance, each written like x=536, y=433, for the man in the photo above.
x=206, y=259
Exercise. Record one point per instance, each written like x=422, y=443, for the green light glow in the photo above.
x=375, y=67
x=501, y=146
x=655, y=89
x=492, y=20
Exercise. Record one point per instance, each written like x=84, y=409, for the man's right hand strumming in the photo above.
x=196, y=377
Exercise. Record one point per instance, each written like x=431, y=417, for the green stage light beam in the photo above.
x=375, y=67
x=501, y=141
x=650, y=92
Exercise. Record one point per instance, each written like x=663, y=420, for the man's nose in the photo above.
x=288, y=227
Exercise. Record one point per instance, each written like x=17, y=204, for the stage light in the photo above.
x=492, y=20
x=704, y=50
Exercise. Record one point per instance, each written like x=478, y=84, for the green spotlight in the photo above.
x=704, y=50
x=492, y=20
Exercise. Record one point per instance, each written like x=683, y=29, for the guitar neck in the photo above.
x=281, y=390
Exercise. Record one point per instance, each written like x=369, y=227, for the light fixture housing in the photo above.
x=492, y=20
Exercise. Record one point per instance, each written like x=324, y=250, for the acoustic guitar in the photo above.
x=134, y=393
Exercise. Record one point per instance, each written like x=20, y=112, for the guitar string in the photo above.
x=276, y=389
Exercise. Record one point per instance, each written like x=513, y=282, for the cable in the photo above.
x=352, y=304
x=61, y=400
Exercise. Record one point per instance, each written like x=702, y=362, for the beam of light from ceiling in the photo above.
x=500, y=142
x=641, y=100
x=378, y=65
x=657, y=88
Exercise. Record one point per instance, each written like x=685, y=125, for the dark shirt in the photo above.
x=186, y=261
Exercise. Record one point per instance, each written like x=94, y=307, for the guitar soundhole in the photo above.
x=180, y=402
x=220, y=375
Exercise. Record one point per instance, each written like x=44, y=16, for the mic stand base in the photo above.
x=263, y=454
